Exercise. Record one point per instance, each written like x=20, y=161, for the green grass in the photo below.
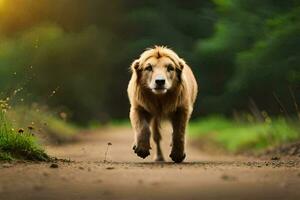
x=18, y=144
x=23, y=128
x=47, y=125
x=236, y=137
x=120, y=123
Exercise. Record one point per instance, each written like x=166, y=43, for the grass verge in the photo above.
x=18, y=144
x=47, y=126
x=120, y=123
x=238, y=137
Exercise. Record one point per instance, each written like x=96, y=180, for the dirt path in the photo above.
x=124, y=176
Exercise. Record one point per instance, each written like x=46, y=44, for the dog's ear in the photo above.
x=181, y=64
x=179, y=68
x=135, y=65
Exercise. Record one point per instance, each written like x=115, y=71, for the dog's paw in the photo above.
x=177, y=156
x=141, y=151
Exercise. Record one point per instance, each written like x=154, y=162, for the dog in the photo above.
x=162, y=86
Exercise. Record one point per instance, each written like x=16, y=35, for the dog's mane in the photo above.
x=158, y=52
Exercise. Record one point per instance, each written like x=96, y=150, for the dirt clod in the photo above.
x=54, y=165
x=110, y=168
x=228, y=177
x=275, y=158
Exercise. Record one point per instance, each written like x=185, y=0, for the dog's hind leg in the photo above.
x=155, y=125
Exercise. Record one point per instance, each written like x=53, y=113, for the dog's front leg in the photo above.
x=179, y=121
x=140, y=120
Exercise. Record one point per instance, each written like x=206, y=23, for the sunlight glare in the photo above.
x=2, y=3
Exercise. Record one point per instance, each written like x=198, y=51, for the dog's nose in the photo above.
x=160, y=81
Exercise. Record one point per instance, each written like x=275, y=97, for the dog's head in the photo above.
x=158, y=69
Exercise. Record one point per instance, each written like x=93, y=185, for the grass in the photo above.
x=48, y=126
x=120, y=123
x=18, y=144
x=242, y=136
x=23, y=128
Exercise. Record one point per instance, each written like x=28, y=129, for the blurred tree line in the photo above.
x=74, y=54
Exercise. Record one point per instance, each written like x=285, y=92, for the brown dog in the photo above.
x=162, y=86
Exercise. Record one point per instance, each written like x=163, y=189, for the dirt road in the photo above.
x=125, y=176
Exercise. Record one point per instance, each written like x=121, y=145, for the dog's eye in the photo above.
x=170, y=68
x=148, y=68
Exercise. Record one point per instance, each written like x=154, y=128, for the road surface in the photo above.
x=122, y=175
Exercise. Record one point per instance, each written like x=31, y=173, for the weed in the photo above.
x=18, y=144
x=108, y=144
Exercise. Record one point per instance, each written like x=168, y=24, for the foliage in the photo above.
x=75, y=54
x=120, y=123
x=239, y=136
x=47, y=126
x=255, y=53
x=18, y=143
x=81, y=57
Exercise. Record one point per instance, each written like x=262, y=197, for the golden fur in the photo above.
x=150, y=103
